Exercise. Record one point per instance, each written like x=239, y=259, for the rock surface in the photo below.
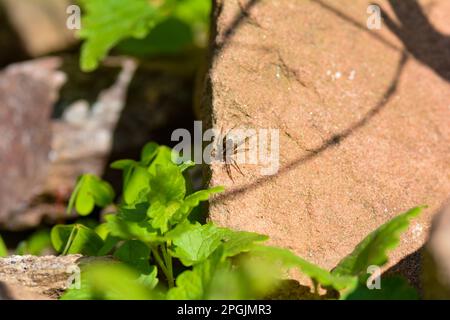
x=83, y=137
x=363, y=117
x=23, y=277
x=436, y=277
x=16, y=292
x=47, y=276
x=40, y=24
x=27, y=93
x=78, y=142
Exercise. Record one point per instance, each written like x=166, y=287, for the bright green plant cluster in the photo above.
x=159, y=250
x=141, y=27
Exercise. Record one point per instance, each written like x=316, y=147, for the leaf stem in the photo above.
x=316, y=286
x=161, y=263
x=69, y=241
x=169, y=266
x=73, y=196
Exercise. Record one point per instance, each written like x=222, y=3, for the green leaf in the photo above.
x=170, y=36
x=179, y=229
x=186, y=165
x=164, y=157
x=3, y=249
x=194, y=242
x=217, y=279
x=107, y=22
x=102, y=191
x=102, y=230
x=85, y=202
x=392, y=288
x=167, y=184
x=91, y=223
x=73, y=196
x=90, y=191
x=194, y=12
x=237, y=242
x=193, y=200
x=108, y=245
x=129, y=230
x=110, y=281
x=136, y=254
x=135, y=180
x=197, y=243
x=134, y=213
x=150, y=280
x=136, y=186
x=162, y=213
x=81, y=293
x=286, y=259
x=195, y=284
x=189, y=286
x=123, y=164
x=21, y=248
x=167, y=190
x=36, y=244
x=73, y=239
x=149, y=152
x=374, y=248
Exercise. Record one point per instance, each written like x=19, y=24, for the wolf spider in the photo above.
x=226, y=156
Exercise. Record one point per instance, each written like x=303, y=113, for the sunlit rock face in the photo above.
x=363, y=119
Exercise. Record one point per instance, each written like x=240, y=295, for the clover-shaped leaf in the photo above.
x=76, y=238
x=90, y=191
x=135, y=180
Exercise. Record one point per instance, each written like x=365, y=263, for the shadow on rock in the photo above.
x=419, y=36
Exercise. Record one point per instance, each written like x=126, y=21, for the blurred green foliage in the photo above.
x=373, y=250
x=37, y=244
x=393, y=288
x=141, y=27
x=3, y=249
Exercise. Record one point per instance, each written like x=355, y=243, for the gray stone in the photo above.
x=27, y=93
x=45, y=277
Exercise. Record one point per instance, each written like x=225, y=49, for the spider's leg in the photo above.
x=225, y=137
x=219, y=143
x=228, y=170
x=243, y=141
x=232, y=128
x=236, y=166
